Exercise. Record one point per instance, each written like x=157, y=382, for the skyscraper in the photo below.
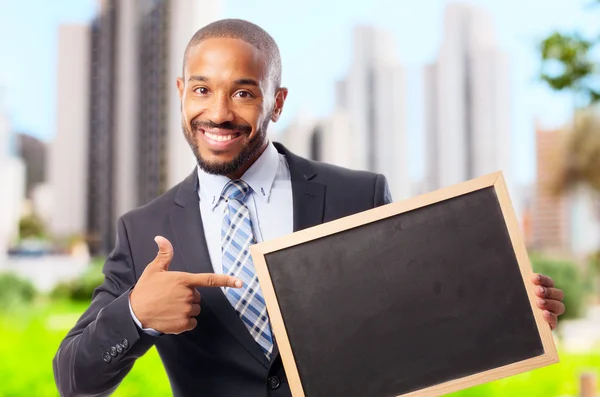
x=366, y=130
x=321, y=139
x=12, y=175
x=101, y=139
x=561, y=222
x=550, y=220
x=165, y=27
x=33, y=152
x=467, y=101
x=68, y=152
x=372, y=95
x=137, y=150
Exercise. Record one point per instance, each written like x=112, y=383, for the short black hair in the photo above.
x=248, y=32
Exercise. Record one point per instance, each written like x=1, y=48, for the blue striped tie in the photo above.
x=236, y=238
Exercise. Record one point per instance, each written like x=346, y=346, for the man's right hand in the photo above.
x=168, y=301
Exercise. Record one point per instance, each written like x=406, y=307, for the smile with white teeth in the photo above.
x=220, y=138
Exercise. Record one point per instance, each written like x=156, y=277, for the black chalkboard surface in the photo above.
x=421, y=297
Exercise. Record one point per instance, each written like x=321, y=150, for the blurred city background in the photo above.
x=429, y=93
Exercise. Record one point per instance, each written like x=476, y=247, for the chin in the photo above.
x=218, y=160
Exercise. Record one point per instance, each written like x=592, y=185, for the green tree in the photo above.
x=31, y=226
x=569, y=63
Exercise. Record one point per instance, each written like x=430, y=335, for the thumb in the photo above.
x=164, y=256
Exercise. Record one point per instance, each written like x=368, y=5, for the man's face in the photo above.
x=226, y=104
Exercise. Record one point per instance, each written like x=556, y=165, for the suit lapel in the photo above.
x=186, y=222
x=308, y=195
x=308, y=198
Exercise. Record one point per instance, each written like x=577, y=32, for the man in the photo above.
x=198, y=300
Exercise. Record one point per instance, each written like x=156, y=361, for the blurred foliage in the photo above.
x=582, y=162
x=558, y=380
x=568, y=277
x=31, y=226
x=30, y=339
x=82, y=288
x=15, y=292
x=594, y=272
x=568, y=63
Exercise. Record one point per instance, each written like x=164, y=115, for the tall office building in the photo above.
x=164, y=157
x=137, y=150
x=372, y=95
x=565, y=223
x=467, y=101
x=12, y=175
x=68, y=151
x=101, y=165
x=152, y=132
x=550, y=215
x=33, y=152
x=321, y=139
x=366, y=130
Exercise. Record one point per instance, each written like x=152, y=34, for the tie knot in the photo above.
x=236, y=190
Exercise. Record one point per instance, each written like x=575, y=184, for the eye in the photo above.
x=201, y=90
x=244, y=94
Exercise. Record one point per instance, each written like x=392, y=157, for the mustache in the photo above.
x=228, y=125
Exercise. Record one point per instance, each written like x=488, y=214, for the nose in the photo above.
x=219, y=109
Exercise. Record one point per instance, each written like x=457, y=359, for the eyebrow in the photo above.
x=198, y=78
x=244, y=81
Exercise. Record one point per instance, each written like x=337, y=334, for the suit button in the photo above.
x=125, y=343
x=274, y=382
x=106, y=357
x=119, y=348
x=113, y=351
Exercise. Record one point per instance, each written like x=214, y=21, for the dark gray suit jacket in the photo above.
x=219, y=357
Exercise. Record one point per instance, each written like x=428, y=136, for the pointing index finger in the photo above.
x=211, y=280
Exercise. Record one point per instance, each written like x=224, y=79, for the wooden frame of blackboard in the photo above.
x=495, y=180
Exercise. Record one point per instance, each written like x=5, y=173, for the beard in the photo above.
x=249, y=151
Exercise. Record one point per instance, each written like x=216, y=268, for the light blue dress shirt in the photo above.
x=270, y=205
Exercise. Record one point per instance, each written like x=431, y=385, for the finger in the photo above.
x=195, y=310
x=192, y=322
x=550, y=319
x=552, y=306
x=540, y=279
x=164, y=255
x=550, y=293
x=197, y=298
x=210, y=280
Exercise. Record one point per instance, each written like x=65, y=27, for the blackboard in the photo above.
x=420, y=297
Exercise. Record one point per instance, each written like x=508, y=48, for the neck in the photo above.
x=242, y=170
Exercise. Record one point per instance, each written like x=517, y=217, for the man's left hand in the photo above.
x=550, y=299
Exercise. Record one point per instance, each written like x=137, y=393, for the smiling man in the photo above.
x=198, y=300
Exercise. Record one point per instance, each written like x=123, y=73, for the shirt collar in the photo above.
x=259, y=177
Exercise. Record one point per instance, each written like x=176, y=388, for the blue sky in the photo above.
x=315, y=41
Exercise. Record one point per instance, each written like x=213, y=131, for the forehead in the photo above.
x=226, y=59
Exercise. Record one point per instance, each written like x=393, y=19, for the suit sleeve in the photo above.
x=382, y=193
x=102, y=347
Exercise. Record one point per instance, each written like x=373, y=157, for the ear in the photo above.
x=180, y=87
x=279, y=101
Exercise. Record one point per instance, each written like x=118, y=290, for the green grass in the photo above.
x=556, y=380
x=29, y=338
